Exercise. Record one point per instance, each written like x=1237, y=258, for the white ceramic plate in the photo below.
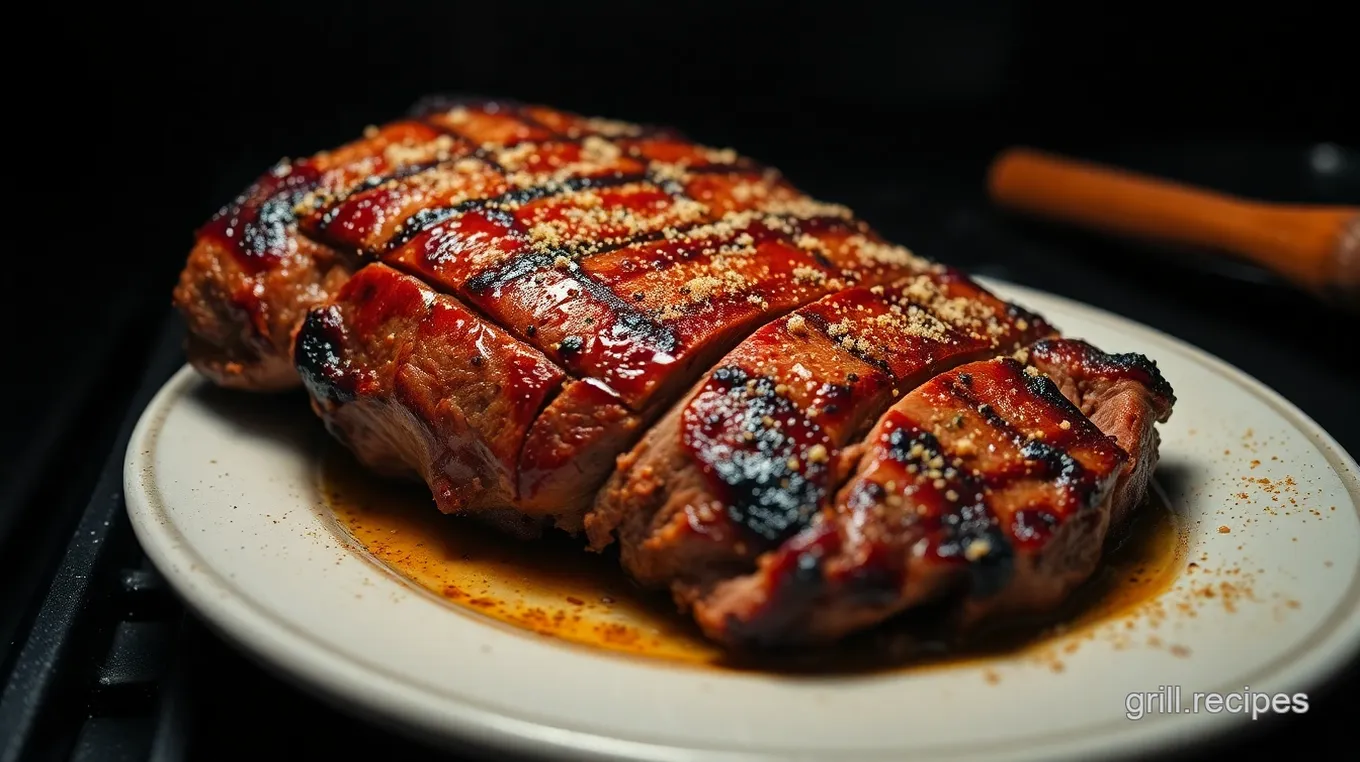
x=221, y=491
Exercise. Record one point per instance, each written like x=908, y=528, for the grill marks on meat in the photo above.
x=759, y=447
x=630, y=264
x=1124, y=395
x=292, y=238
x=251, y=276
x=986, y=484
x=528, y=261
x=500, y=298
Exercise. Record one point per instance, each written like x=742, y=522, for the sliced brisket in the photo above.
x=760, y=446
x=521, y=306
x=985, y=486
x=252, y=275
x=631, y=264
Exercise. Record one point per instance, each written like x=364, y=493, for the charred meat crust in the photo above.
x=488, y=200
x=1125, y=396
x=283, y=245
x=630, y=265
x=987, y=486
x=502, y=299
x=233, y=330
x=253, y=275
x=757, y=449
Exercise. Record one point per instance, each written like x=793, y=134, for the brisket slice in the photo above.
x=1125, y=396
x=759, y=447
x=986, y=488
x=252, y=276
x=416, y=384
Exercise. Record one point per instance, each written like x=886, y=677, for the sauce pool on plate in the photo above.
x=554, y=587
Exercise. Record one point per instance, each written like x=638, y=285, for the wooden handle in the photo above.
x=1317, y=247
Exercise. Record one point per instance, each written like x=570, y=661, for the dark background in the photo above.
x=892, y=107
x=148, y=120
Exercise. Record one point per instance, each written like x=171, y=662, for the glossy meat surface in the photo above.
x=414, y=382
x=295, y=235
x=559, y=320
x=252, y=275
x=986, y=488
x=759, y=447
x=631, y=263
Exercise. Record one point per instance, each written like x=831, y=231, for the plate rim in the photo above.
x=352, y=686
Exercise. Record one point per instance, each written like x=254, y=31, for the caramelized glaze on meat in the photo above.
x=985, y=485
x=558, y=320
x=630, y=262
x=759, y=447
x=252, y=275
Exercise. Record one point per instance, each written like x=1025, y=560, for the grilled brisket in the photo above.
x=562, y=321
x=986, y=484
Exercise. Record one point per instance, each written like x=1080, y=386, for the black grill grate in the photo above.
x=85, y=681
x=113, y=667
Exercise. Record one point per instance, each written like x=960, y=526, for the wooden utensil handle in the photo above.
x=1317, y=247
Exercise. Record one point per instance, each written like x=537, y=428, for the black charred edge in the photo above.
x=1092, y=361
x=531, y=262
x=427, y=218
x=903, y=440
x=333, y=204
x=487, y=156
x=270, y=229
x=400, y=173
x=263, y=213
x=1016, y=313
x=657, y=335
x=730, y=376
x=517, y=267
x=769, y=511
x=991, y=572
x=1044, y=388
x=1061, y=465
x=1058, y=463
x=636, y=323
x=965, y=524
x=317, y=356
x=254, y=195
